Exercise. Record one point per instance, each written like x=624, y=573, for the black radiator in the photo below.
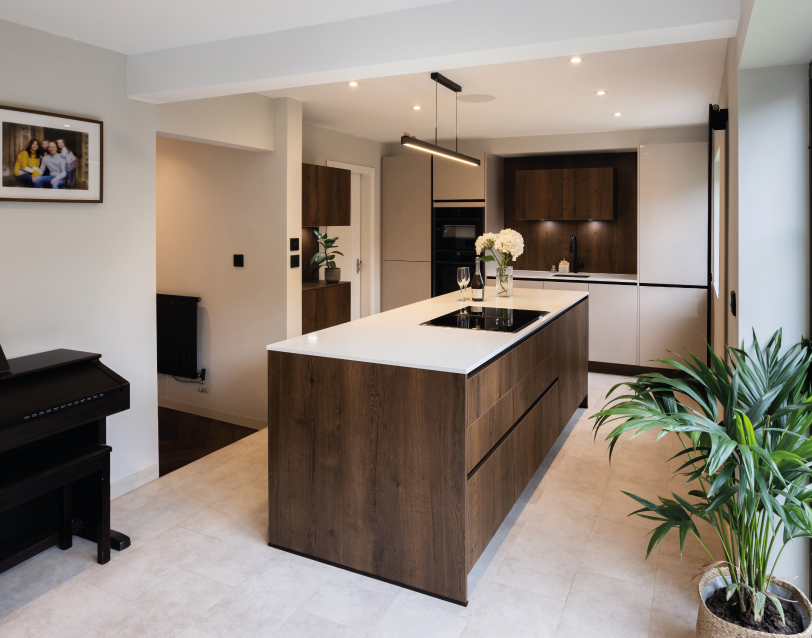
x=177, y=336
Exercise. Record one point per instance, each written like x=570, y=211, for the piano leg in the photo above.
x=104, y=512
x=66, y=517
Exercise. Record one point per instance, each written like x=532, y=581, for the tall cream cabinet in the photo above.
x=673, y=257
x=406, y=230
x=455, y=181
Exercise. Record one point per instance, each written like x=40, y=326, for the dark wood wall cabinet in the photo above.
x=566, y=193
x=324, y=305
x=549, y=198
x=325, y=196
x=361, y=475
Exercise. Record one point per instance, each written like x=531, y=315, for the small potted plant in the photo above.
x=744, y=428
x=326, y=256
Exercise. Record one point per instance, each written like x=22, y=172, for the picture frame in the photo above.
x=71, y=171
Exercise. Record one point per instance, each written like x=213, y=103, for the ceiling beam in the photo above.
x=461, y=33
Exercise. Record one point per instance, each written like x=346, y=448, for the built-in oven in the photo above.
x=456, y=228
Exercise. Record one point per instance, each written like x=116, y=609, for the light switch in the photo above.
x=294, y=243
x=294, y=261
x=239, y=261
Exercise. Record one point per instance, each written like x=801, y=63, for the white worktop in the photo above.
x=594, y=277
x=397, y=338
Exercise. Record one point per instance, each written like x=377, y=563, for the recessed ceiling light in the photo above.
x=353, y=83
x=66, y=125
x=600, y=92
x=576, y=60
x=416, y=108
x=618, y=114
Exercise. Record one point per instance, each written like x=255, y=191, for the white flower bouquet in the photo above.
x=505, y=246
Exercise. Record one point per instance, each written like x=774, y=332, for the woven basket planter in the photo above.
x=708, y=625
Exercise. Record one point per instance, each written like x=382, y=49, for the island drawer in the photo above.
x=486, y=431
x=487, y=386
x=534, y=384
x=500, y=479
x=534, y=438
x=490, y=495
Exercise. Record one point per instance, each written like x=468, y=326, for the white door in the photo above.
x=349, y=243
x=360, y=242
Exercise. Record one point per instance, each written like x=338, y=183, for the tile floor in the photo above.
x=567, y=562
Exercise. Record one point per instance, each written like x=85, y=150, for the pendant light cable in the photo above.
x=435, y=112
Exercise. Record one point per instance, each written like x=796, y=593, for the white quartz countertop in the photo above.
x=397, y=338
x=594, y=277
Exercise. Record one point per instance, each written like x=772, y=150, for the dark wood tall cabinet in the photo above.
x=325, y=196
x=325, y=305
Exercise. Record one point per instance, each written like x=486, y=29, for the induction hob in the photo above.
x=490, y=319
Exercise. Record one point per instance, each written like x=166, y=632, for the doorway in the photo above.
x=359, y=243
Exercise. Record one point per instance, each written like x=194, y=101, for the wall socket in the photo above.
x=203, y=390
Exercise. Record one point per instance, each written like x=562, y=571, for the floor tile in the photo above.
x=45, y=572
x=139, y=569
x=65, y=612
x=352, y=600
x=237, y=557
x=263, y=603
x=304, y=625
x=604, y=607
x=618, y=549
x=545, y=564
x=165, y=610
x=414, y=615
x=514, y=612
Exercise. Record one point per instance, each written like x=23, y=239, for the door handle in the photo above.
x=357, y=265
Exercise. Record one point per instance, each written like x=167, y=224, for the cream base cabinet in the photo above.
x=613, y=323
x=671, y=319
x=405, y=282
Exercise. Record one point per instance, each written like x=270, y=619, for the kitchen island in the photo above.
x=397, y=449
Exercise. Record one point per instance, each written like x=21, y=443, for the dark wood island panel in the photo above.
x=406, y=474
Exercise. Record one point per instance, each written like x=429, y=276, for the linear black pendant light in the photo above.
x=435, y=149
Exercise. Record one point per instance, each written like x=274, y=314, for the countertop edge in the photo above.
x=520, y=336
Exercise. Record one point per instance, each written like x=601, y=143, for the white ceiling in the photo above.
x=138, y=26
x=779, y=33
x=652, y=87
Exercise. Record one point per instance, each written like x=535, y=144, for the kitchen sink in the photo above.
x=566, y=274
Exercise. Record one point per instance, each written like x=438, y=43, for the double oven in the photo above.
x=456, y=228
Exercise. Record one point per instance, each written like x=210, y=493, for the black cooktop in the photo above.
x=491, y=319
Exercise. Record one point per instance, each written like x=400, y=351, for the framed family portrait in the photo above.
x=48, y=157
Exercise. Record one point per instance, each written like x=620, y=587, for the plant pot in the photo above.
x=332, y=275
x=709, y=625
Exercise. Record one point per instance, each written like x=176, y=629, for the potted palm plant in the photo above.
x=744, y=428
x=326, y=256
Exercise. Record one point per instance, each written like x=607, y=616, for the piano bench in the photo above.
x=59, y=470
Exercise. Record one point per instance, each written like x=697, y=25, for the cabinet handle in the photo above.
x=357, y=265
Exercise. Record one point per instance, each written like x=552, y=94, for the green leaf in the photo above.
x=335, y=252
x=758, y=605
x=778, y=606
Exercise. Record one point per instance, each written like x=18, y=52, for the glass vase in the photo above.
x=504, y=281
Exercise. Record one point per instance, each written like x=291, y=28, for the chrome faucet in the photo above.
x=574, y=253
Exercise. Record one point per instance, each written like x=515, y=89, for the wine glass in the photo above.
x=463, y=277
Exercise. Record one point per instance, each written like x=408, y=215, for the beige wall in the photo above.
x=212, y=203
x=241, y=121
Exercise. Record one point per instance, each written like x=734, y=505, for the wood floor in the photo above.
x=185, y=438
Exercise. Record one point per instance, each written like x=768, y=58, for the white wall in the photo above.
x=212, y=203
x=82, y=276
x=773, y=222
